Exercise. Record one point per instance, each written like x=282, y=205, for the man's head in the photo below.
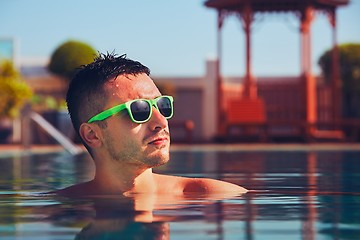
x=107, y=83
x=86, y=95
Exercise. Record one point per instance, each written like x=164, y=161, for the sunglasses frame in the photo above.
x=118, y=108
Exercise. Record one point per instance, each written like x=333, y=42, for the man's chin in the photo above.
x=158, y=157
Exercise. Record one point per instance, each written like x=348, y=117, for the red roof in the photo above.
x=274, y=5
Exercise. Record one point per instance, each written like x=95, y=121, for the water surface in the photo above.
x=295, y=194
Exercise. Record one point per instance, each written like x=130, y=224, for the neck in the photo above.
x=124, y=180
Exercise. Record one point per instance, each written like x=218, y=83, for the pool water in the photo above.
x=296, y=194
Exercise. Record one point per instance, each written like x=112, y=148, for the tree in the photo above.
x=349, y=58
x=69, y=56
x=14, y=92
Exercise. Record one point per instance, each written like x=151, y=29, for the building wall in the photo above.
x=187, y=104
x=195, y=98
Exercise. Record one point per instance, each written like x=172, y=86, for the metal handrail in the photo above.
x=56, y=134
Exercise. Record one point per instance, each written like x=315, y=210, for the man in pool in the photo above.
x=122, y=119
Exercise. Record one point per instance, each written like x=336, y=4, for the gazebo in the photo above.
x=304, y=10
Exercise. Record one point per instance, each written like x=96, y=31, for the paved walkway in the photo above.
x=268, y=147
x=11, y=148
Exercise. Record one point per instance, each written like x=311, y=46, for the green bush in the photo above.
x=14, y=92
x=349, y=59
x=69, y=56
x=43, y=103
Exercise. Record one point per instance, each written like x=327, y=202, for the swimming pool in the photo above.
x=298, y=193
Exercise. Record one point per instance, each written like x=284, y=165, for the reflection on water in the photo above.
x=296, y=195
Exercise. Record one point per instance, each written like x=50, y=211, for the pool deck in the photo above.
x=6, y=149
x=268, y=147
x=16, y=148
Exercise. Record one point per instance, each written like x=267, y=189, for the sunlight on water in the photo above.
x=295, y=195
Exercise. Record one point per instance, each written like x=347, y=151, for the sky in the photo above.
x=171, y=37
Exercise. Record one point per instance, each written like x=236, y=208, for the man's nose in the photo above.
x=157, y=120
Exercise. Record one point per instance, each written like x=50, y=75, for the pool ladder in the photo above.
x=54, y=133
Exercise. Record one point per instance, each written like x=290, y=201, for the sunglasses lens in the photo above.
x=140, y=110
x=165, y=106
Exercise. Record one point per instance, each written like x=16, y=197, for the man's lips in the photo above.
x=159, y=140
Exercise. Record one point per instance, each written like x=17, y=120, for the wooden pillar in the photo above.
x=308, y=80
x=219, y=84
x=250, y=89
x=335, y=75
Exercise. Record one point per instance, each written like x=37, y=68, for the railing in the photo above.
x=56, y=134
x=340, y=130
x=29, y=115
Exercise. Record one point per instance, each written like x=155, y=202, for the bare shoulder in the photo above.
x=168, y=183
x=208, y=185
x=197, y=185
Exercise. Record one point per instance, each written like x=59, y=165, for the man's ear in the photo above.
x=91, y=134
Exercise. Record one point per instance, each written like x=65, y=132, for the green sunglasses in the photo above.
x=140, y=110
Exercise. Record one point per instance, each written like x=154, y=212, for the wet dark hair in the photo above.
x=86, y=95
